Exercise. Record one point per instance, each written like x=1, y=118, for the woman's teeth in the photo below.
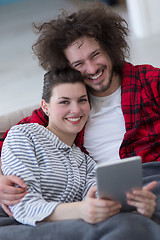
x=74, y=119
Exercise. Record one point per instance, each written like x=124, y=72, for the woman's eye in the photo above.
x=83, y=100
x=64, y=102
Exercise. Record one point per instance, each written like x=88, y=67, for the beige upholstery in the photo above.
x=12, y=118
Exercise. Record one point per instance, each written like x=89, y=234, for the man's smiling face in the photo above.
x=87, y=56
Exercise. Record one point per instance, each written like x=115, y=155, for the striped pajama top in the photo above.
x=53, y=171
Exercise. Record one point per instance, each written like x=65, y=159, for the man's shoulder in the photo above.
x=145, y=68
x=139, y=74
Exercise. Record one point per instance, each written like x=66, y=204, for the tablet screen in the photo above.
x=116, y=178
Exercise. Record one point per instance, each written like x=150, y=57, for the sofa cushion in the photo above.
x=10, y=119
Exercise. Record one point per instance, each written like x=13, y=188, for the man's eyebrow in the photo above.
x=96, y=50
x=78, y=61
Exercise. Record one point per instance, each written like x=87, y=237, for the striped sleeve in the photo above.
x=90, y=177
x=18, y=158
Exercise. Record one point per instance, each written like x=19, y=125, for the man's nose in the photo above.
x=90, y=67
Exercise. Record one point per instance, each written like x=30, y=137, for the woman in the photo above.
x=57, y=173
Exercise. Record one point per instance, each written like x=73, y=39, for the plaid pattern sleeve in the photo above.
x=79, y=140
x=37, y=116
x=141, y=110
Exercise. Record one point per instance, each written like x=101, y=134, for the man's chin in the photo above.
x=98, y=89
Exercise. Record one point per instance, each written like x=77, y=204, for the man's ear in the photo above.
x=44, y=106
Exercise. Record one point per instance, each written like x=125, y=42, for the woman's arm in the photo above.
x=94, y=210
x=91, y=210
x=19, y=158
x=33, y=207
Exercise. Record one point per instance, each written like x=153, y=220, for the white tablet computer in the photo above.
x=116, y=178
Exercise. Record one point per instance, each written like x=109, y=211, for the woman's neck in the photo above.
x=64, y=137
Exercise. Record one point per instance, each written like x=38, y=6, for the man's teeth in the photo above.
x=96, y=76
x=74, y=119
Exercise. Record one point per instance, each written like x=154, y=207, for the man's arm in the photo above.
x=10, y=195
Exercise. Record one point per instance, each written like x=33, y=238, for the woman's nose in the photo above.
x=75, y=108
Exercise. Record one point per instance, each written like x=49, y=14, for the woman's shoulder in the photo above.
x=27, y=128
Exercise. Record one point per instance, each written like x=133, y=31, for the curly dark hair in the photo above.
x=95, y=20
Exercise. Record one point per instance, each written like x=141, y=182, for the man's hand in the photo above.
x=94, y=210
x=10, y=195
x=144, y=200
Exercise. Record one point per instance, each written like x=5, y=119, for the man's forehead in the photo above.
x=77, y=43
x=81, y=49
x=84, y=40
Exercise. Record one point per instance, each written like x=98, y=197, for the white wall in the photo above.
x=144, y=17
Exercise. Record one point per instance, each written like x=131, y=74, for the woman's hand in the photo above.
x=91, y=210
x=95, y=210
x=144, y=200
x=10, y=195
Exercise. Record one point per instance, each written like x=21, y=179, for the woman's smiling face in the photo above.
x=68, y=108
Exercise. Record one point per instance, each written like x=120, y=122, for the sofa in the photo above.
x=10, y=119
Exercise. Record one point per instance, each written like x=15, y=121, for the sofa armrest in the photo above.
x=10, y=119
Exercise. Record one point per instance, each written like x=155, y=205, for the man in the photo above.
x=124, y=119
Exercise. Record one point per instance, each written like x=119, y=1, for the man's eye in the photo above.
x=94, y=55
x=77, y=65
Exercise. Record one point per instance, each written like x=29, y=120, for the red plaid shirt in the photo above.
x=141, y=109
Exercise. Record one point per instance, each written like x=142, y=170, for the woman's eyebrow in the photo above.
x=66, y=98
x=63, y=98
x=85, y=95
